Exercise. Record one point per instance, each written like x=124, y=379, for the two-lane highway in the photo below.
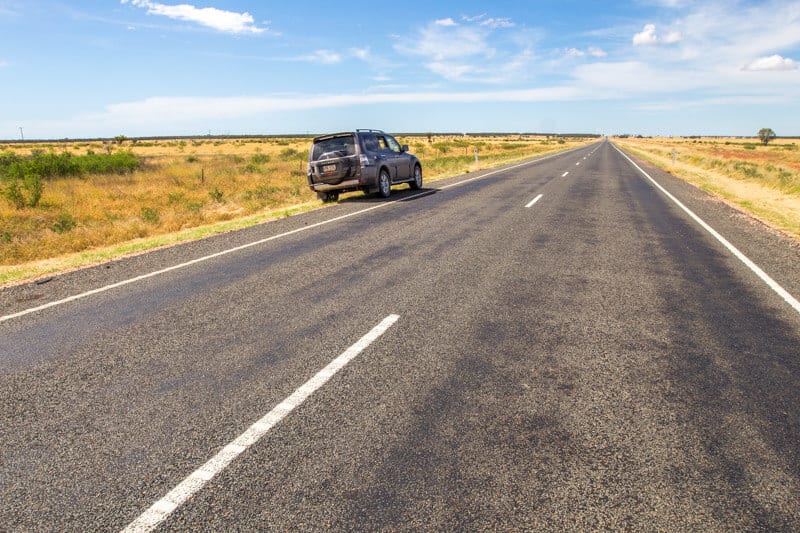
x=553, y=345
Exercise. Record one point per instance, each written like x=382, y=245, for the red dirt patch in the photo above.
x=778, y=159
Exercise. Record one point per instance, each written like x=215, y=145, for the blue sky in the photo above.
x=141, y=67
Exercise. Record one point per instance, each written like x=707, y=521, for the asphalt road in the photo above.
x=591, y=360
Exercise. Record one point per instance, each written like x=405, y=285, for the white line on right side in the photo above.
x=783, y=293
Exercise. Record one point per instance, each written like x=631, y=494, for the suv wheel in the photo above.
x=329, y=197
x=416, y=184
x=384, y=184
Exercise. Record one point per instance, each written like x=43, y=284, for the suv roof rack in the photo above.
x=371, y=130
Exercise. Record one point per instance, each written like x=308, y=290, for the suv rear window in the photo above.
x=333, y=148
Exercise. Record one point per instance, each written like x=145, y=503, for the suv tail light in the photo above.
x=364, y=160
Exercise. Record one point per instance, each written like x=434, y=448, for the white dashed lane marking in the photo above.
x=187, y=488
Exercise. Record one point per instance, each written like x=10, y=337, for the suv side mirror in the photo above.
x=404, y=148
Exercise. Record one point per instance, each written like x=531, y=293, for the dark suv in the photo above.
x=362, y=160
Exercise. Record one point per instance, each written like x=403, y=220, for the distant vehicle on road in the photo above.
x=366, y=160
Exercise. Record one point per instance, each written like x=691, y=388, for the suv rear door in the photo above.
x=333, y=158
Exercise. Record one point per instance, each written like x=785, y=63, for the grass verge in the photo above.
x=10, y=275
x=765, y=185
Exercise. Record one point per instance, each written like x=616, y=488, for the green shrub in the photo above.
x=175, y=198
x=118, y=163
x=287, y=154
x=216, y=195
x=194, y=207
x=23, y=192
x=64, y=223
x=515, y=146
x=47, y=165
x=748, y=169
x=34, y=186
x=13, y=194
x=441, y=147
x=252, y=168
x=150, y=215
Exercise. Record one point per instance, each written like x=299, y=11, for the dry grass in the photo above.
x=184, y=185
x=761, y=180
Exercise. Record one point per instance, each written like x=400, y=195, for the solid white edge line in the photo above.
x=780, y=291
x=530, y=204
x=261, y=241
x=192, y=262
x=564, y=175
x=187, y=488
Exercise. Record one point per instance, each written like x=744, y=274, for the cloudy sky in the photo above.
x=653, y=67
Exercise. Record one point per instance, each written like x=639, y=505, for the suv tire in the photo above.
x=329, y=197
x=416, y=183
x=384, y=184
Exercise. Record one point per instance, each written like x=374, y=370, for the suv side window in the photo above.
x=382, y=142
x=394, y=146
x=370, y=143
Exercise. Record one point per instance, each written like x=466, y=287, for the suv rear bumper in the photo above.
x=349, y=184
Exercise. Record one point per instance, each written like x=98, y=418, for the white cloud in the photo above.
x=449, y=70
x=211, y=17
x=646, y=37
x=672, y=37
x=773, y=62
x=673, y=3
x=361, y=53
x=476, y=18
x=490, y=22
x=498, y=23
x=596, y=52
x=465, y=52
x=591, y=51
x=622, y=78
x=446, y=42
x=447, y=23
x=325, y=57
x=649, y=36
x=157, y=109
x=186, y=114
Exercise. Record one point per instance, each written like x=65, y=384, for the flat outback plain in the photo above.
x=70, y=203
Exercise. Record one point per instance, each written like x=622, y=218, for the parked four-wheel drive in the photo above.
x=366, y=160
